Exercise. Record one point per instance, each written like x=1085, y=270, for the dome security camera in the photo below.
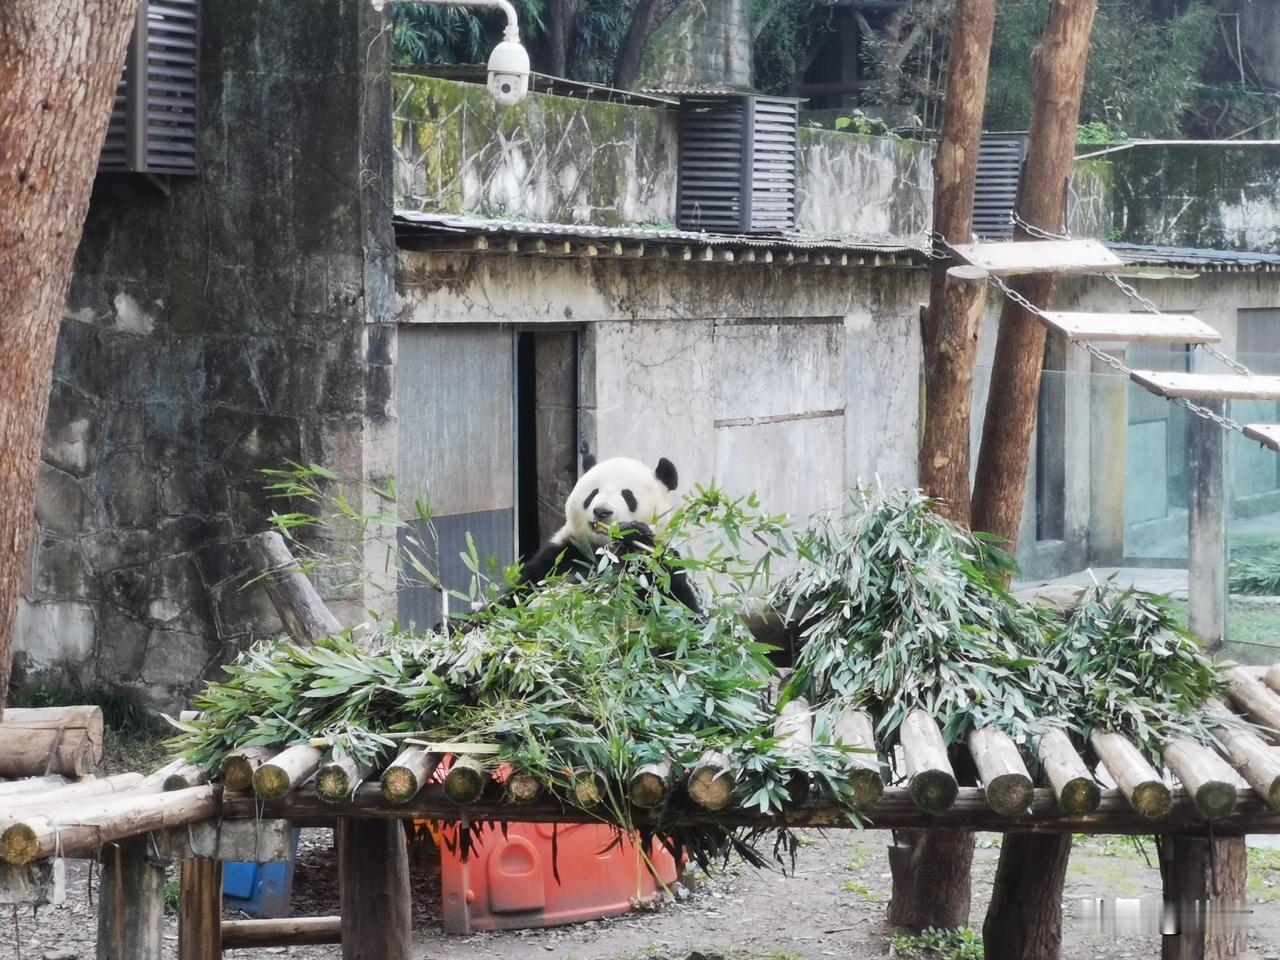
x=508, y=72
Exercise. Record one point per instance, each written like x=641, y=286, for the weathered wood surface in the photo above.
x=648, y=785
x=1132, y=327
x=855, y=729
x=1208, y=386
x=465, y=780
x=130, y=902
x=296, y=600
x=1072, y=784
x=36, y=741
x=373, y=889
x=30, y=885
x=238, y=768
x=11, y=807
x=1267, y=434
x=711, y=781
x=793, y=729
x=336, y=779
x=287, y=932
x=287, y=770
x=896, y=810
x=1136, y=778
x=408, y=774
x=1196, y=871
x=1251, y=757
x=1040, y=256
x=1255, y=699
x=187, y=775
x=13, y=788
x=200, y=910
x=523, y=788
x=929, y=775
x=1005, y=780
x=1204, y=774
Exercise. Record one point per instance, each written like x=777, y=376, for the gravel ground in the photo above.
x=833, y=906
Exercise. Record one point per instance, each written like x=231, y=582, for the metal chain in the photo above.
x=1114, y=362
x=1035, y=231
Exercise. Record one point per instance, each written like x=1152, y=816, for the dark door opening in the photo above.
x=546, y=391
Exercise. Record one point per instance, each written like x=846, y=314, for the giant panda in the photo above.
x=619, y=493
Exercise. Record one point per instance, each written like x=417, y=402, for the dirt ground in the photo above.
x=832, y=907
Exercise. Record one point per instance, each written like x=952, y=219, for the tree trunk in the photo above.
x=561, y=17
x=627, y=66
x=1207, y=871
x=1024, y=920
x=200, y=910
x=373, y=888
x=60, y=61
x=931, y=883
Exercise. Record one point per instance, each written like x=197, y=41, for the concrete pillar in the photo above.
x=1109, y=418
x=1207, y=528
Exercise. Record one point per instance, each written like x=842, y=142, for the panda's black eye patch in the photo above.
x=586, y=504
x=630, y=497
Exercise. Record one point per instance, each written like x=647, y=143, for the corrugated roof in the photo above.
x=1221, y=261
x=440, y=226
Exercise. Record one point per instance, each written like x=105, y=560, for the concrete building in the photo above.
x=387, y=276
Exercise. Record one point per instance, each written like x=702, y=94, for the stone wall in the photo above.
x=1210, y=195
x=210, y=332
x=707, y=43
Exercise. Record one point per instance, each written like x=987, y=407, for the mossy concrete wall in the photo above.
x=1215, y=196
x=706, y=43
x=225, y=327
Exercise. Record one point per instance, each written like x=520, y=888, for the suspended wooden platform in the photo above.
x=1208, y=386
x=1131, y=327
x=1267, y=434
x=1039, y=256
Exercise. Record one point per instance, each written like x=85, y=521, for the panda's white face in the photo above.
x=617, y=491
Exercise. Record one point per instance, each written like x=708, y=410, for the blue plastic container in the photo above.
x=260, y=889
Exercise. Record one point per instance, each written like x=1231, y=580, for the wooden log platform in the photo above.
x=1131, y=327
x=1207, y=386
x=1039, y=256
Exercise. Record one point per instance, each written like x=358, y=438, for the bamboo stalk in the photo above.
x=1006, y=783
x=1073, y=786
x=238, y=768
x=1136, y=778
x=648, y=785
x=1258, y=763
x=522, y=788
x=793, y=730
x=1255, y=699
x=408, y=774
x=853, y=728
x=929, y=776
x=1205, y=775
x=286, y=770
x=338, y=779
x=711, y=781
x=88, y=826
x=187, y=775
x=465, y=780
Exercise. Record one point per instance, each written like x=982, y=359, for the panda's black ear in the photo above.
x=588, y=461
x=666, y=472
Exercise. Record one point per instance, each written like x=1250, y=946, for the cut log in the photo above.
x=929, y=776
x=154, y=781
x=288, y=932
x=1205, y=775
x=1136, y=778
x=853, y=728
x=711, y=781
x=337, y=780
x=187, y=775
x=14, y=788
x=286, y=770
x=465, y=780
x=1197, y=872
x=373, y=890
x=37, y=741
x=1132, y=327
x=793, y=730
x=200, y=910
x=301, y=610
x=648, y=785
x=86, y=826
x=1258, y=763
x=1073, y=786
x=408, y=774
x=79, y=792
x=238, y=768
x=1040, y=256
x=1272, y=677
x=1005, y=780
x=130, y=903
x=1207, y=386
x=589, y=789
x=1254, y=698
x=523, y=788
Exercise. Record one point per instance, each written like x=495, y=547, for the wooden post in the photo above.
x=130, y=903
x=200, y=910
x=373, y=889
x=1207, y=528
x=1024, y=919
x=1196, y=870
x=296, y=601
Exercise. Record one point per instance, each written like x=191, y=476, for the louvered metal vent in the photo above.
x=996, y=186
x=153, y=122
x=737, y=163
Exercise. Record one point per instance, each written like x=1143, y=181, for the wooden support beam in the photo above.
x=1198, y=872
x=14, y=788
x=929, y=775
x=408, y=774
x=295, y=598
x=1204, y=775
x=287, y=770
x=1131, y=327
x=853, y=728
x=130, y=903
x=373, y=890
x=286, y=932
x=1207, y=386
x=711, y=781
x=1136, y=778
x=1005, y=780
x=11, y=808
x=1073, y=786
x=200, y=910
x=37, y=741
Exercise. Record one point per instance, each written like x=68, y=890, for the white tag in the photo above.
x=59, y=892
